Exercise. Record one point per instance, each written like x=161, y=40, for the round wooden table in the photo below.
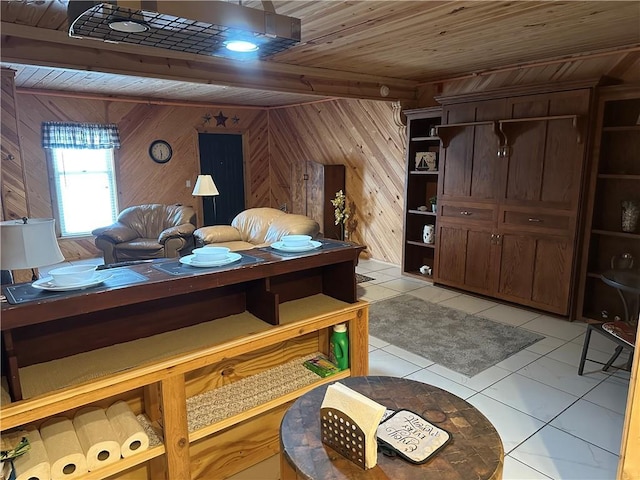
x=475, y=450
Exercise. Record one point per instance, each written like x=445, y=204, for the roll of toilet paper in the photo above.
x=34, y=464
x=97, y=438
x=131, y=435
x=63, y=449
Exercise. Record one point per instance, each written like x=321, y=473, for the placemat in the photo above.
x=177, y=268
x=24, y=292
x=326, y=245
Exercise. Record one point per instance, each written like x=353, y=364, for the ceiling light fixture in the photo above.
x=240, y=46
x=204, y=28
x=128, y=26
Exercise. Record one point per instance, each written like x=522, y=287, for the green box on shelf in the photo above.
x=321, y=365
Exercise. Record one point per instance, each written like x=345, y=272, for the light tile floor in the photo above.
x=554, y=424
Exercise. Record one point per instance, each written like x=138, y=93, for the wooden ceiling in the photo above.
x=348, y=49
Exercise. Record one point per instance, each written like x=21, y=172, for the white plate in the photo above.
x=230, y=258
x=46, y=283
x=303, y=248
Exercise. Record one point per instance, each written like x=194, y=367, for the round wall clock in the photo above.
x=160, y=151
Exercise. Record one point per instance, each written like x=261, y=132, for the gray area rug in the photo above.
x=465, y=343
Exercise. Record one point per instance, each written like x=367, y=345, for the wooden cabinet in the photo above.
x=614, y=177
x=313, y=186
x=421, y=185
x=510, y=194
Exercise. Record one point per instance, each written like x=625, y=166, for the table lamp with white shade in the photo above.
x=206, y=187
x=28, y=243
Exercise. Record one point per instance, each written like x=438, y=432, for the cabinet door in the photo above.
x=546, y=155
x=470, y=165
x=313, y=186
x=465, y=257
x=535, y=270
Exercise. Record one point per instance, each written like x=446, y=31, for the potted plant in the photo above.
x=433, y=201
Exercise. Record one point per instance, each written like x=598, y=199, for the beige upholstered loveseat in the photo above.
x=147, y=232
x=256, y=227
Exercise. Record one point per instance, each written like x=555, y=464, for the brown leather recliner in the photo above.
x=147, y=232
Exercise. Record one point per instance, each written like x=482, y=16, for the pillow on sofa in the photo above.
x=218, y=234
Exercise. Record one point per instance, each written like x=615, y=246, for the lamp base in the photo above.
x=6, y=277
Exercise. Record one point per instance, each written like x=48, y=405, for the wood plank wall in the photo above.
x=14, y=201
x=140, y=180
x=361, y=135
x=13, y=194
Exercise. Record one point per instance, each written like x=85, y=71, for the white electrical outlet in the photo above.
x=188, y=183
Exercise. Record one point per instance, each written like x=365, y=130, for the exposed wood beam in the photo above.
x=157, y=101
x=53, y=48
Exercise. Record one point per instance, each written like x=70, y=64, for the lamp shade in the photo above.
x=205, y=187
x=28, y=245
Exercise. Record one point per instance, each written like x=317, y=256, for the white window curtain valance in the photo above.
x=80, y=135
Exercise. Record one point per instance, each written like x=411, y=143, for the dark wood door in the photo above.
x=221, y=157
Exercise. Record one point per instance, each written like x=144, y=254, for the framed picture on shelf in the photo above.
x=426, y=161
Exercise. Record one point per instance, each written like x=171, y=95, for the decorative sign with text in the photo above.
x=411, y=436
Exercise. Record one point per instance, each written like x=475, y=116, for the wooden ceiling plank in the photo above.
x=302, y=79
x=349, y=48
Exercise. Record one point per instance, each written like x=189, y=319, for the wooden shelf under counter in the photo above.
x=158, y=388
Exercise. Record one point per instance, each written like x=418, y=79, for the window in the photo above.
x=82, y=172
x=84, y=187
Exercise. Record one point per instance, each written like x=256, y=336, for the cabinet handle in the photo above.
x=537, y=220
x=464, y=212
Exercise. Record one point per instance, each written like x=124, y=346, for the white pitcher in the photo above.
x=428, y=234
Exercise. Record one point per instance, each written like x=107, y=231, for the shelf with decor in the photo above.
x=421, y=186
x=614, y=187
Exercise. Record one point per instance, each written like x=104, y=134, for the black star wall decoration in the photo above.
x=221, y=119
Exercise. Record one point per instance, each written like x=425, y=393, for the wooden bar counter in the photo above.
x=47, y=329
x=239, y=326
